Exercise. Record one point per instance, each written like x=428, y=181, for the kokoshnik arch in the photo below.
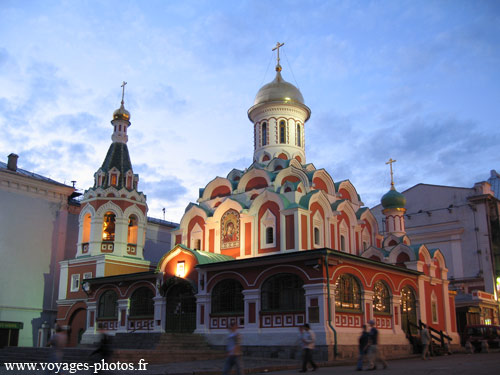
x=270, y=248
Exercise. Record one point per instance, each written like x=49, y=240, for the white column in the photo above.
x=160, y=314
x=251, y=296
x=316, y=291
x=123, y=310
x=368, y=299
x=396, y=306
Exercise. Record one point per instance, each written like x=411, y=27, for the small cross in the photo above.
x=123, y=90
x=390, y=164
x=277, y=48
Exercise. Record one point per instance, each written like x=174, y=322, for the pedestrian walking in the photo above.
x=363, y=348
x=57, y=341
x=233, y=351
x=425, y=338
x=308, y=341
x=373, y=351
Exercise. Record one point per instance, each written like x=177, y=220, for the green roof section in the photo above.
x=202, y=257
x=360, y=212
x=393, y=199
x=335, y=204
x=119, y=158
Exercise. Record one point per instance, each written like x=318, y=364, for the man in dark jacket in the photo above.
x=363, y=348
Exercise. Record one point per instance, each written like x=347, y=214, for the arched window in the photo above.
x=283, y=292
x=264, y=134
x=381, y=298
x=132, y=230
x=108, y=306
x=108, y=227
x=282, y=132
x=227, y=297
x=86, y=228
x=347, y=293
x=408, y=309
x=269, y=235
x=316, y=236
x=342, y=242
x=141, y=302
x=298, y=135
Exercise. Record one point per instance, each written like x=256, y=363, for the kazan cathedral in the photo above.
x=269, y=248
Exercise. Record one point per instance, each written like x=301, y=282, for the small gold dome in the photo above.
x=121, y=113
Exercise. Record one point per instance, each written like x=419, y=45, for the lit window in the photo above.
x=108, y=227
x=181, y=269
x=113, y=179
x=381, y=298
x=347, y=293
x=86, y=228
x=132, y=230
x=75, y=282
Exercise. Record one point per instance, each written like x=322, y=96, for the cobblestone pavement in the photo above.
x=456, y=364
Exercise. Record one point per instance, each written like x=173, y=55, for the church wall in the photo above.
x=121, y=268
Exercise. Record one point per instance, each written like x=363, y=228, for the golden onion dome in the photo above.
x=278, y=90
x=121, y=113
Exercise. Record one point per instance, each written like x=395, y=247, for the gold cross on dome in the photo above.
x=392, y=176
x=277, y=48
x=123, y=90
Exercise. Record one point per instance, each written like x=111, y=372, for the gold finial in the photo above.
x=277, y=48
x=123, y=90
x=392, y=175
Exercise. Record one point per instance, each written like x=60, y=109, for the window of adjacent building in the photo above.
x=381, y=298
x=132, y=230
x=141, y=302
x=264, y=134
x=282, y=132
x=86, y=228
x=87, y=275
x=347, y=293
x=108, y=227
x=75, y=282
x=108, y=305
x=227, y=297
x=298, y=135
x=283, y=292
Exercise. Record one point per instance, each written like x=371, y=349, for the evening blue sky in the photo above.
x=418, y=81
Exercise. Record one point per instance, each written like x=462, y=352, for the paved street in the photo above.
x=457, y=364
